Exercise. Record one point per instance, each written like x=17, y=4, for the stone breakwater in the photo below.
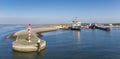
x=21, y=43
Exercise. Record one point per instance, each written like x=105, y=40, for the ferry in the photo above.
x=76, y=25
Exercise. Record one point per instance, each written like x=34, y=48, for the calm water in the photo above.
x=66, y=44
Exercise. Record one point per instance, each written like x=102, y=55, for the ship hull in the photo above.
x=75, y=28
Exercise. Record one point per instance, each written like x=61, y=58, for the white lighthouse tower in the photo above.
x=29, y=32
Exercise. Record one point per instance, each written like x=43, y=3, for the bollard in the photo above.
x=38, y=43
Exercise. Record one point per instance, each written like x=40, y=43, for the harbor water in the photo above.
x=66, y=44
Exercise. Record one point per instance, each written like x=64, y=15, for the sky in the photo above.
x=59, y=11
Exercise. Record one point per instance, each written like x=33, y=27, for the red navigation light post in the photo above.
x=29, y=32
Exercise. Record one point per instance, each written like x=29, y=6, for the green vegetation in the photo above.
x=22, y=40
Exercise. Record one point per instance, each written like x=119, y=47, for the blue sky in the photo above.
x=59, y=11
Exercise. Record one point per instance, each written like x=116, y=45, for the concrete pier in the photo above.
x=22, y=45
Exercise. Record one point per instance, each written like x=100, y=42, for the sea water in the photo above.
x=66, y=44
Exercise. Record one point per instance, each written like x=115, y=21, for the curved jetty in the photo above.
x=22, y=45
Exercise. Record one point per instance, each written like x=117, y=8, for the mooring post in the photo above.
x=38, y=45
